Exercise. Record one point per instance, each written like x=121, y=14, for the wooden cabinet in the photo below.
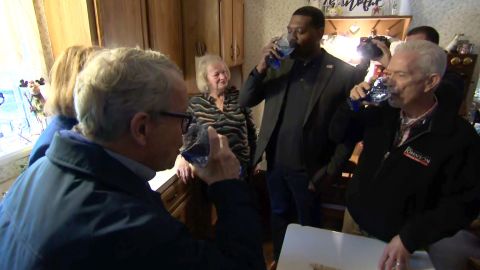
x=175, y=198
x=231, y=31
x=165, y=28
x=181, y=29
x=121, y=23
x=174, y=194
x=70, y=22
x=212, y=26
x=238, y=9
x=154, y=24
x=189, y=204
x=464, y=65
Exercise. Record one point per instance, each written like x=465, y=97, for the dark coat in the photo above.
x=334, y=81
x=57, y=123
x=79, y=208
x=424, y=190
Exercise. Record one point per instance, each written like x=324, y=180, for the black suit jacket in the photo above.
x=334, y=81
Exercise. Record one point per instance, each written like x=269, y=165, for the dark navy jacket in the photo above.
x=57, y=123
x=78, y=208
x=424, y=190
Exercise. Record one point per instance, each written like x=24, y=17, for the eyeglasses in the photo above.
x=187, y=119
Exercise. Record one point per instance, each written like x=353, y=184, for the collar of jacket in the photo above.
x=68, y=150
x=442, y=121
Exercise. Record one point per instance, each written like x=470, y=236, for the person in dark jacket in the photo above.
x=60, y=96
x=87, y=204
x=417, y=177
x=300, y=100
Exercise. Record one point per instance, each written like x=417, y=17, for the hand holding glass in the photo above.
x=376, y=95
x=196, y=145
x=284, y=47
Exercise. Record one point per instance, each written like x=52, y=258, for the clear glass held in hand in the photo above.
x=196, y=145
x=284, y=46
x=376, y=95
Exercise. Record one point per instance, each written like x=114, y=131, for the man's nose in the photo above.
x=292, y=36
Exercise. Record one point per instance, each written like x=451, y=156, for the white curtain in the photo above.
x=21, y=53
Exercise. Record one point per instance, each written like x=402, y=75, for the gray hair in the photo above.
x=431, y=58
x=118, y=83
x=202, y=71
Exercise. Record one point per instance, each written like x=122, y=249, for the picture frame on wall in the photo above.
x=362, y=8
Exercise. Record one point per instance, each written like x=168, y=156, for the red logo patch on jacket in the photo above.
x=416, y=156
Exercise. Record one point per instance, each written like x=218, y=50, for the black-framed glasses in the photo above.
x=187, y=119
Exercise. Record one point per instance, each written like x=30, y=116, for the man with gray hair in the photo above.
x=87, y=204
x=417, y=177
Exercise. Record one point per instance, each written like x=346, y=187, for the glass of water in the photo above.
x=376, y=95
x=196, y=145
x=285, y=45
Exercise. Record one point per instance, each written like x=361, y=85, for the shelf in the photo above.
x=393, y=26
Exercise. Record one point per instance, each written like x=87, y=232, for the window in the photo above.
x=21, y=57
x=19, y=126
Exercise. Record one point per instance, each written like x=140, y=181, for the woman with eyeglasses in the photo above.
x=218, y=107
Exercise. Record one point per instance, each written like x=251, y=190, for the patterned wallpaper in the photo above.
x=449, y=17
x=267, y=18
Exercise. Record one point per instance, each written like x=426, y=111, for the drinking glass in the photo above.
x=285, y=45
x=376, y=95
x=196, y=146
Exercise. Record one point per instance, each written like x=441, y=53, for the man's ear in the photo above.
x=139, y=127
x=432, y=81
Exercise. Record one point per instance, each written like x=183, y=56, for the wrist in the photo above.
x=261, y=68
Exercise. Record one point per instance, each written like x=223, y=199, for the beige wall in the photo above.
x=267, y=18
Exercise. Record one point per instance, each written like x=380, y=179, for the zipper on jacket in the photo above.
x=385, y=156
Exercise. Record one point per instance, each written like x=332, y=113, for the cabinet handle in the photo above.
x=200, y=48
x=232, y=52
x=238, y=50
x=455, y=61
x=467, y=61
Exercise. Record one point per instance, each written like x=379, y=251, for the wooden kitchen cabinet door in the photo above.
x=121, y=23
x=226, y=31
x=215, y=27
x=154, y=24
x=201, y=34
x=70, y=22
x=231, y=29
x=238, y=30
x=165, y=28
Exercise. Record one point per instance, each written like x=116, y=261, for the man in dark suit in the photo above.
x=300, y=100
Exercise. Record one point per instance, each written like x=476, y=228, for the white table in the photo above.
x=304, y=246
x=162, y=179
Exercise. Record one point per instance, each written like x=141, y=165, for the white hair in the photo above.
x=118, y=83
x=431, y=58
x=202, y=71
